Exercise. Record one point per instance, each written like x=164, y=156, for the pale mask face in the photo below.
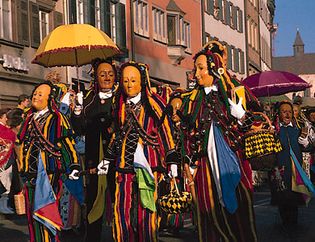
x=40, y=97
x=202, y=74
x=105, y=76
x=176, y=103
x=286, y=114
x=296, y=111
x=131, y=79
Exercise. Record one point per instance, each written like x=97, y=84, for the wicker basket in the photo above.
x=19, y=202
x=261, y=145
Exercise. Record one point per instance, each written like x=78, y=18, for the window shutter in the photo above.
x=210, y=6
x=240, y=21
x=121, y=26
x=236, y=60
x=105, y=17
x=234, y=16
x=86, y=11
x=242, y=63
x=72, y=12
x=229, y=53
x=220, y=10
x=90, y=12
x=227, y=13
x=57, y=18
x=34, y=24
x=23, y=26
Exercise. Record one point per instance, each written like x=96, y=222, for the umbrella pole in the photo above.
x=77, y=69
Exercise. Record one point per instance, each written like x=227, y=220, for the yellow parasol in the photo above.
x=74, y=45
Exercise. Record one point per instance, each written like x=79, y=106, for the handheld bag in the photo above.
x=261, y=145
x=176, y=202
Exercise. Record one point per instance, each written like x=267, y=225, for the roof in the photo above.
x=298, y=40
x=172, y=6
x=302, y=64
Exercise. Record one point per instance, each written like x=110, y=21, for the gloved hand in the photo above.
x=303, y=141
x=74, y=175
x=80, y=98
x=102, y=168
x=173, y=171
x=192, y=170
x=237, y=110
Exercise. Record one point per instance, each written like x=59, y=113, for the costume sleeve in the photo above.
x=66, y=145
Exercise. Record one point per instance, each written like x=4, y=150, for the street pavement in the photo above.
x=13, y=228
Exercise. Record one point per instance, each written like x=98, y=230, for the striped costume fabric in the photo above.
x=48, y=132
x=215, y=222
x=132, y=222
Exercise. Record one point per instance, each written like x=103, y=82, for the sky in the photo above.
x=291, y=15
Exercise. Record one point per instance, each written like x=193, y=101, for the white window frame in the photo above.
x=80, y=11
x=113, y=24
x=141, y=17
x=187, y=34
x=6, y=20
x=159, y=24
x=43, y=21
x=98, y=14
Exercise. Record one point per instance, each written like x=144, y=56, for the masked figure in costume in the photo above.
x=93, y=119
x=213, y=125
x=143, y=149
x=290, y=183
x=47, y=160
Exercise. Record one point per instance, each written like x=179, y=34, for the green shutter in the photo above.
x=240, y=21
x=227, y=13
x=91, y=12
x=58, y=19
x=234, y=16
x=236, y=60
x=121, y=25
x=72, y=12
x=23, y=22
x=242, y=63
x=220, y=10
x=105, y=17
x=35, y=36
x=229, y=53
x=86, y=11
x=210, y=7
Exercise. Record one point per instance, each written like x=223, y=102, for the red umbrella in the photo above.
x=274, y=83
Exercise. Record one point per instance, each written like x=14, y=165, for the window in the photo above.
x=5, y=19
x=171, y=29
x=141, y=19
x=159, y=28
x=43, y=24
x=178, y=30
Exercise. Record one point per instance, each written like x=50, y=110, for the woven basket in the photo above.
x=19, y=202
x=176, y=202
x=261, y=145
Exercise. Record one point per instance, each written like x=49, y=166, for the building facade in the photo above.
x=224, y=21
x=166, y=35
x=301, y=64
x=23, y=24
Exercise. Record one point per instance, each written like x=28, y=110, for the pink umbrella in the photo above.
x=274, y=83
